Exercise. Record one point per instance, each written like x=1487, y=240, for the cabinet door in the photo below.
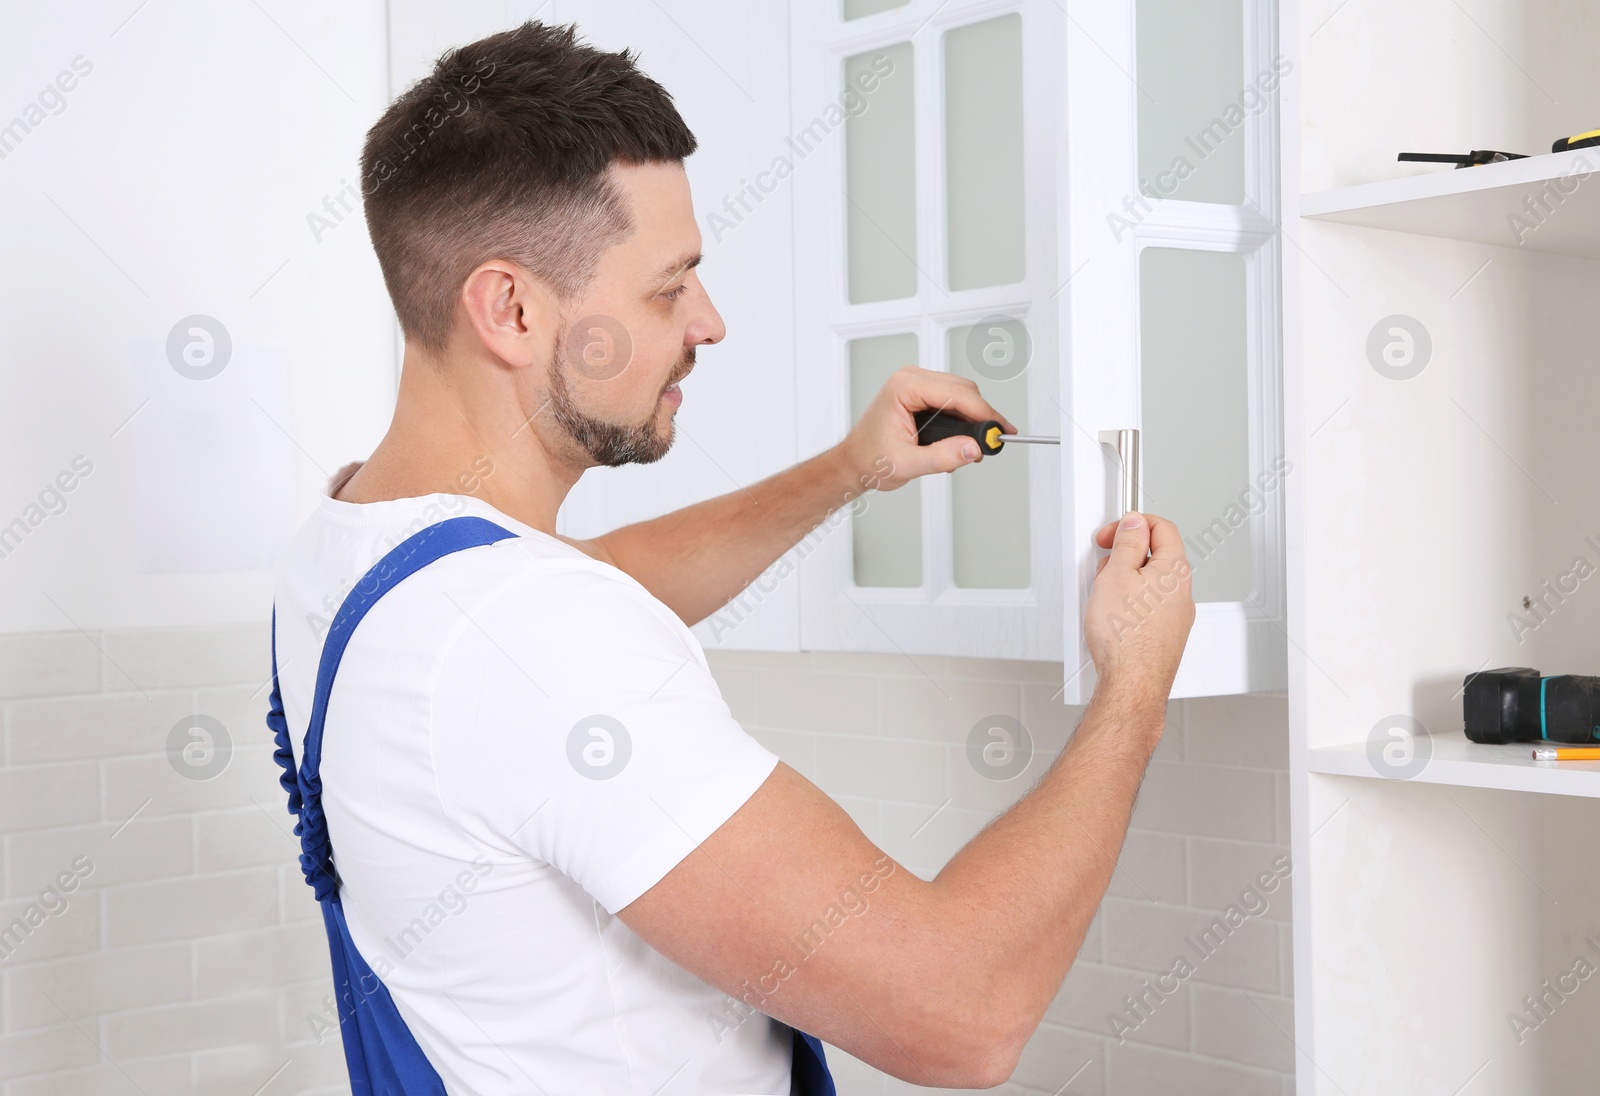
x=1174, y=328
x=923, y=156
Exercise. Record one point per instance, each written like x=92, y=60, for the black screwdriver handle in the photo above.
x=934, y=425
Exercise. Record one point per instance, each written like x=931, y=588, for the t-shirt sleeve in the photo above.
x=575, y=719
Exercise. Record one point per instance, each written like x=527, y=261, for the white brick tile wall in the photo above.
x=1154, y=867
x=77, y=728
x=33, y=797
x=151, y=786
x=165, y=969
x=184, y=909
x=283, y=955
x=1094, y=993
x=88, y=986
x=1252, y=1029
x=144, y=850
x=907, y=772
x=191, y=1026
x=846, y=703
x=169, y=1076
x=1145, y=936
x=186, y=658
x=194, y=955
x=1220, y=872
x=1142, y=1069
x=1243, y=731
x=1208, y=801
x=45, y=1050
x=59, y=931
x=924, y=710
x=53, y=664
x=244, y=838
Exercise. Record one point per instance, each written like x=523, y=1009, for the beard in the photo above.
x=607, y=443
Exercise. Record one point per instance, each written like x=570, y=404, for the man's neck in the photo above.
x=444, y=440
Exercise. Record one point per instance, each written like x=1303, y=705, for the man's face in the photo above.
x=625, y=346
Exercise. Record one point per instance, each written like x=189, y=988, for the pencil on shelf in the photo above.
x=1566, y=753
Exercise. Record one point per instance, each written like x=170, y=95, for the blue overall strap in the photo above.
x=809, y=1075
x=381, y=1053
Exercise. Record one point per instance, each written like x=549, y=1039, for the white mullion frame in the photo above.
x=938, y=547
x=928, y=312
x=1261, y=135
x=934, y=309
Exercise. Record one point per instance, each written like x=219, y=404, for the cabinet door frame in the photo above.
x=1234, y=647
x=937, y=617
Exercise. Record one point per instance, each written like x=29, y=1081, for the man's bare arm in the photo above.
x=698, y=558
x=790, y=908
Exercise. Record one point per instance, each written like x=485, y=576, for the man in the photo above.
x=571, y=869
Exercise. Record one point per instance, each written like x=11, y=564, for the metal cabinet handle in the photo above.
x=1126, y=444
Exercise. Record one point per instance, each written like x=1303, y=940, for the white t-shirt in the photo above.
x=520, y=741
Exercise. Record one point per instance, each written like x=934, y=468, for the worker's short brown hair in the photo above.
x=502, y=151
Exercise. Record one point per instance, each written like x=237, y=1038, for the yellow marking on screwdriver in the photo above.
x=993, y=438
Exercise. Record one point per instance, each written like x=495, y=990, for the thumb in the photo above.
x=951, y=453
x=1131, y=545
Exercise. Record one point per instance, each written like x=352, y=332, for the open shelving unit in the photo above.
x=1451, y=759
x=1441, y=380
x=1545, y=194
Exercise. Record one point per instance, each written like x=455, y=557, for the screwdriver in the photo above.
x=934, y=425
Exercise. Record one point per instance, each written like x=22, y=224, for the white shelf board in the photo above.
x=1454, y=760
x=1478, y=203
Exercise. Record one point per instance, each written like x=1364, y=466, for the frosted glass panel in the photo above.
x=989, y=500
x=887, y=525
x=856, y=9
x=880, y=178
x=1194, y=99
x=1196, y=412
x=983, y=152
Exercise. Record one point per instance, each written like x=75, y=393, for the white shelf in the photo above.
x=1456, y=761
x=1477, y=203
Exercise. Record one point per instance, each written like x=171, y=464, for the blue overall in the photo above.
x=383, y=1056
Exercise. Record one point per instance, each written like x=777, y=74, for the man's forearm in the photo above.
x=698, y=558
x=1020, y=895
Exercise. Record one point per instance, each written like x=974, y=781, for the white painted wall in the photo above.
x=177, y=179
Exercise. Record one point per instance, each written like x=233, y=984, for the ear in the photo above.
x=510, y=311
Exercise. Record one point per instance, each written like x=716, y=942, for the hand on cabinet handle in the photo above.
x=1126, y=444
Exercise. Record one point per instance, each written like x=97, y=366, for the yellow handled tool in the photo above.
x=933, y=425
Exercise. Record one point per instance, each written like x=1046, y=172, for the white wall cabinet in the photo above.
x=1440, y=392
x=967, y=185
x=1145, y=304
